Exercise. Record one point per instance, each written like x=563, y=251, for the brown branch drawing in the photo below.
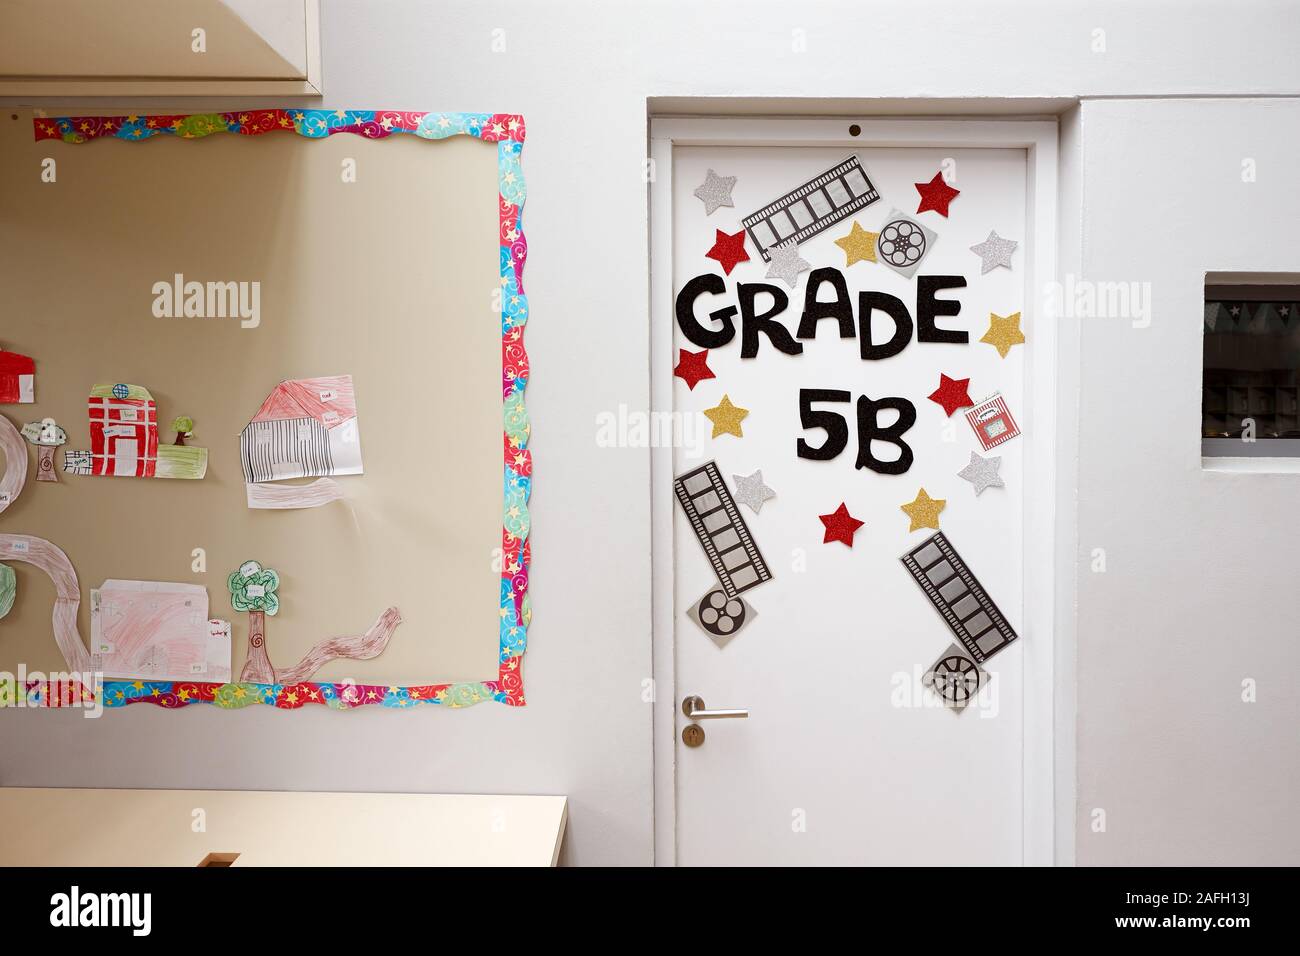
x=254, y=588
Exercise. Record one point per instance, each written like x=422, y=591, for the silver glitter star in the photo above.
x=751, y=490
x=786, y=264
x=994, y=251
x=982, y=473
x=715, y=191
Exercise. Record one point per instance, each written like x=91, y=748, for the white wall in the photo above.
x=1184, y=776
x=1198, y=591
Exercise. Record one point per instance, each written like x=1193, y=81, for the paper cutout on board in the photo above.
x=8, y=589
x=255, y=589
x=124, y=439
x=15, y=460
x=48, y=557
x=46, y=435
x=806, y=210
x=955, y=678
x=840, y=526
x=936, y=195
x=77, y=462
x=786, y=264
x=952, y=394
x=859, y=245
x=994, y=251
x=1004, y=332
x=17, y=379
x=720, y=529
x=923, y=511
x=728, y=249
x=903, y=243
x=715, y=192
x=726, y=418
x=123, y=431
x=155, y=630
x=992, y=422
x=721, y=617
x=751, y=491
x=966, y=608
x=306, y=428
x=692, y=367
x=982, y=473
x=288, y=497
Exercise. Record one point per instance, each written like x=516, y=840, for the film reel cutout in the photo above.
x=902, y=243
x=956, y=678
x=721, y=615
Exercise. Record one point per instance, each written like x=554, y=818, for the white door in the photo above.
x=125, y=454
x=844, y=757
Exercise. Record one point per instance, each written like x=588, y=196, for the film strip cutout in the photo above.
x=721, y=530
x=816, y=205
x=972, y=616
x=959, y=598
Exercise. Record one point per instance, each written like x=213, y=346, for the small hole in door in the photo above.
x=219, y=859
x=855, y=130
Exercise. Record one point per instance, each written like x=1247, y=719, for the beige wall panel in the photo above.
x=389, y=279
x=155, y=828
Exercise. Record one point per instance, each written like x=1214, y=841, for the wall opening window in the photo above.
x=1250, y=394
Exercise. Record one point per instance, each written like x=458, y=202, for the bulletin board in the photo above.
x=376, y=252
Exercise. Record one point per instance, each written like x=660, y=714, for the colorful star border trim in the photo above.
x=507, y=131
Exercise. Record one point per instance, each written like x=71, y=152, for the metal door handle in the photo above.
x=693, y=708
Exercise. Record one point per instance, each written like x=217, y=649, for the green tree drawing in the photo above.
x=183, y=425
x=253, y=589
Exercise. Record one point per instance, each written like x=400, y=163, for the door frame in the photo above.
x=1045, y=744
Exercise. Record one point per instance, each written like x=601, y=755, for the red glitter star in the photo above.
x=728, y=250
x=952, y=393
x=840, y=525
x=692, y=367
x=936, y=194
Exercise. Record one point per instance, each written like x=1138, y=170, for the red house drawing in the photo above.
x=123, y=431
x=17, y=378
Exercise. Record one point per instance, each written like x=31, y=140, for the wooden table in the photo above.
x=55, y=827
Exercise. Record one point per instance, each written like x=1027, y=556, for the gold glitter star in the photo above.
x=859, y=245
x=726, y=418
x=1004, y=332
x=924, y=511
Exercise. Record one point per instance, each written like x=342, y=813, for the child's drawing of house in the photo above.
x=123, y=431
x=306, y=428
x=124, y=439
x=17, y=378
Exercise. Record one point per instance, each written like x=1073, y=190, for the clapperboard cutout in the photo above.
x=992, y=422
x=980, y=628
x=721, y=530
x=816, y=205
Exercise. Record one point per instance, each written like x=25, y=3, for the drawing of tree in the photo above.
x=46, y=435
x=183, y=425
x=253, y=589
